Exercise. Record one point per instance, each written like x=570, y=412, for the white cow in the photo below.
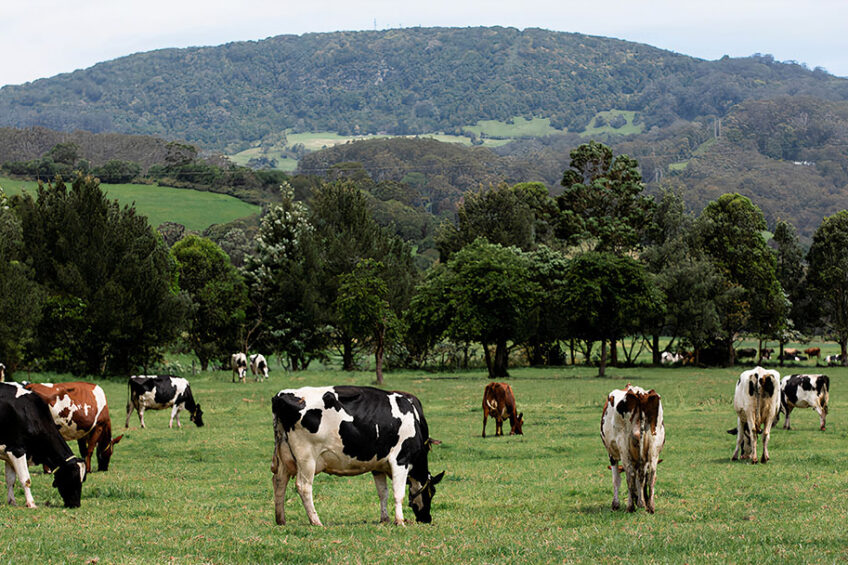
x=804, y=391
x=258, y=366
x=633, y=432
x=669, y=358
x=757, y=404
x=239, y=364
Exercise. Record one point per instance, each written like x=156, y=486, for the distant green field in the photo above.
x=520, y=127
x=627, y=129
x=194, y=209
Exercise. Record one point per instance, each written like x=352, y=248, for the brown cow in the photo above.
x=81, y=413
x=499, y=403
x=791, y=351
x=813, y=352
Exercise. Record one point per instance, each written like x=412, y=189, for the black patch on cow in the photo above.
x=768, y=386
x=373, y=431
x=404, y=403
x=286, y=408
x=621, y=407
x=806, y=384
x=312, y=420
x=752, y=389
x=823, y=383
x=790, y=390
x=330, y=401
x=165, y=391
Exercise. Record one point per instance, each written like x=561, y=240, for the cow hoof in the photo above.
x=735, y=458
x=822, y=428
x=616, y=505
x=754, y=461
x=31, y=505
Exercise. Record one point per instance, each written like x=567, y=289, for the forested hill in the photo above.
x=399, y=81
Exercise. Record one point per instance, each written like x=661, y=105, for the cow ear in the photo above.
x=435, y=480
x=117, y=439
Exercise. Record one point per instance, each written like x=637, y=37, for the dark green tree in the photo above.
x=793, y=279
x=484, y=294
x=66, y=153
x=363, y=309
x=218, y=296
x=602, y=206
x=20, y=297
x=828, y=277
x=104, y=267
x=606, y=298
x=730, y=233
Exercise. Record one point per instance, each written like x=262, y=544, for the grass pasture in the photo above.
x=195, y=209
x=203, y=495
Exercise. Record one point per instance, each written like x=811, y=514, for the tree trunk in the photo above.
x=378, y=354
x=603, y=365
x=204, y=363
x=760, y=352
x=655, y=346
x=780, y=353
x=614, y=352
x=501, y=360
x=571, y=349
x=347, y=353
x=489, y=364
x=843, y=344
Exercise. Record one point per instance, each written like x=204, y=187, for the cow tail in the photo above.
x=128, y=395
x=824, y=395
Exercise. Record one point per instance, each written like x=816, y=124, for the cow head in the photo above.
x=68, y=479
x=197, y=415
x=519, y=422
x=104, y=452
x=421, y=499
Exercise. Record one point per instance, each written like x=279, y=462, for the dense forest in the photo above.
x=399, y=81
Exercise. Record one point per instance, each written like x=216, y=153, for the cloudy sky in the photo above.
x=42, y=38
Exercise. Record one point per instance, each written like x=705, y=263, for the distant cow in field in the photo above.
x=258, y=366
x=350, y=430
x=633, y=432
x=29, y=434
x=805, y=391
x=765, y=352
x=757, y=403
x=499, y=403
x=833, y=359
x=81, y=413
x=160, y=392
x=239, y=364
x=813, y=352
x=746, y=353
x=669, y=358
x=791, y=351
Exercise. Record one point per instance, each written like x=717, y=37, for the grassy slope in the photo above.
x=204, y=494
x=196, y=210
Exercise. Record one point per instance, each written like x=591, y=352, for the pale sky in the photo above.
x=43, y=38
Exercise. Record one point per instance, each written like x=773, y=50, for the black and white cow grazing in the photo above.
x=349, y=430
x=28, y=434
x=804, y=391
x=757, y=404
x=160, y=392
x=258, y=366
x=238, y=361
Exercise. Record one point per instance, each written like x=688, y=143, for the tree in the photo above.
x=602, y=205
x=606, y=298
x=105, y=268
x=20, y=298
x=729, y=231
x=286, y=315
x=218, y=296
x=363, y=308
x=793, y=279
x=66, y=153
x=485, y=294
x=828, y=277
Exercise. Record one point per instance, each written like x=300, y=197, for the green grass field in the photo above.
x=195, y=209
x=204, y=495
x=628, y=129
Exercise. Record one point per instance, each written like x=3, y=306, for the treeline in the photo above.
x=87, y=287
x=400, y=81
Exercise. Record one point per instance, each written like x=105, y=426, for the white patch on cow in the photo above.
x=377, y=428
x=20, y=391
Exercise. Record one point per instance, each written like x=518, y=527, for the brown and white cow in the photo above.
x=757, y=403
x=813, y=352
x=81, y=413
x=499, y=403
x=805, y=391
x=633, y=432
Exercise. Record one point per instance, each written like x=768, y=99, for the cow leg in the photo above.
x=19, y=467
x=650, y=482
x=822, y=415
x=281, y=482
x=786, y=425
x=141, y=415
x=10, y=484
x=383, y=493
x=129, y=411
x=485, y=418
x=303, y=483
x=175, y=413
x=616, y=484
x=740, y=438
x=498, y=427
x=86, y=447
x=752, y=440
x=399, y=476
x=632, y=492
x=766, y=436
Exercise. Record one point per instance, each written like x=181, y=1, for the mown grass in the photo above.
x=203, y=495
x=194, y=209
x=518, y=127
x=627, y=129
